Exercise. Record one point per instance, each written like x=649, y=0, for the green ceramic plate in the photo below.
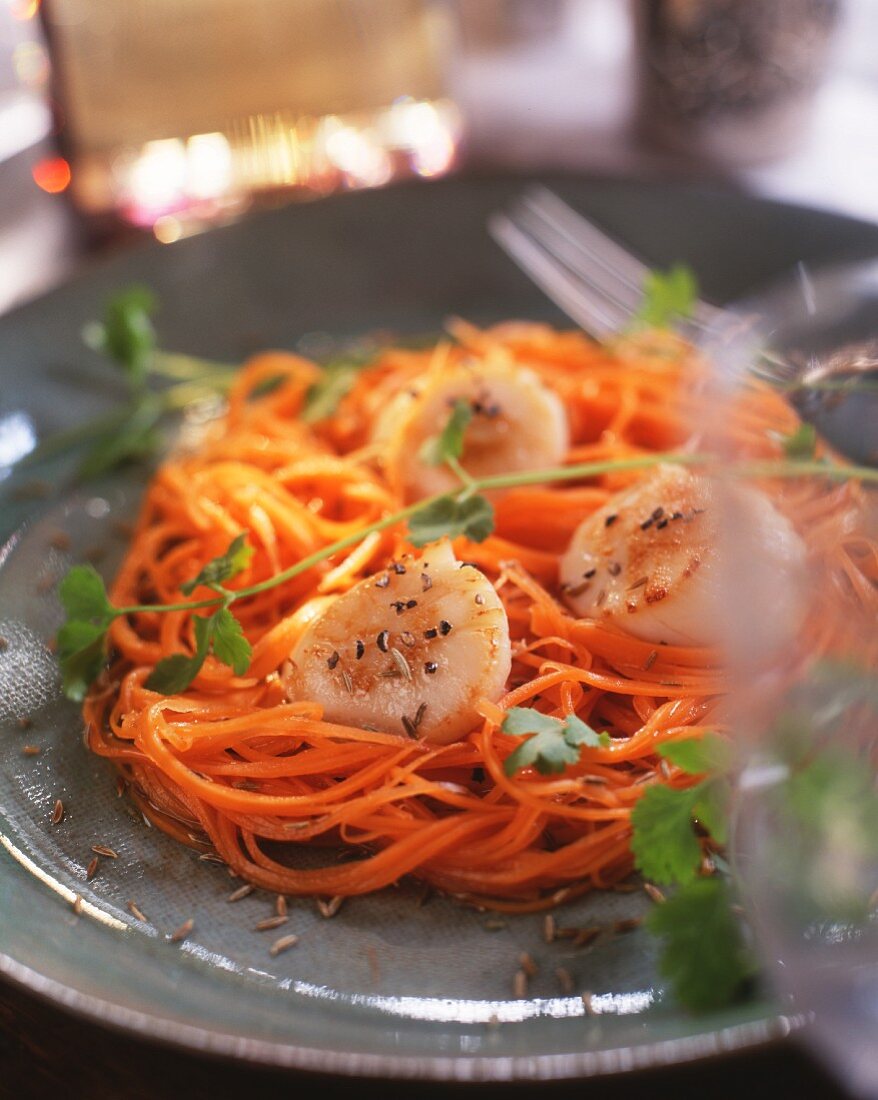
x=386, y=987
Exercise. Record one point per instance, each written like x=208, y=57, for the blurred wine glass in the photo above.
x=174, y=114
x=804, y=843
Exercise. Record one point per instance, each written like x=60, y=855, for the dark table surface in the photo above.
x=46, y=1051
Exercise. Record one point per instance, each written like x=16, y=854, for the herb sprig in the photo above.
x=703, y=954
x=552, y=743
x=447, y=446
x=801, y=443
x=668, y=296
x=127, y=337
x=465, y=512
x=664, y=843
x=82, y=639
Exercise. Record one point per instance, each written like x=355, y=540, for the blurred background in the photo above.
x=162, y=117
x=130, y=120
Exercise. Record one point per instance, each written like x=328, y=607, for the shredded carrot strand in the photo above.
x=234, y=763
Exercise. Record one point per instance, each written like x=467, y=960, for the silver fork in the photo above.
x=599, y=284
x=592, y=278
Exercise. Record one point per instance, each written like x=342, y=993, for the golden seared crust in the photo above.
x=649, y=560
x=410, y=650
x=517, y=423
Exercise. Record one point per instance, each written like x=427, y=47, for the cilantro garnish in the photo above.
x=668, y=296
x=466, y=513
x=553, y=742
x=664, y=843
x=336, y=381
x=696, y=755
x=449, y=517
x=81, y=652
x=223, y=568
x=220, y=634
x=126, y=336
x=84, y=595
x=82, y=640
x=126, y=333
x=704, y=955
x=801, y=443
x=449, y=443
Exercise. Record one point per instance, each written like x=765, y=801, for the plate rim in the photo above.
x=748, y=1035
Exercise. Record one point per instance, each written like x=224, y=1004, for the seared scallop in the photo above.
x=517, y=423
x=654, y=560
x=410, y=650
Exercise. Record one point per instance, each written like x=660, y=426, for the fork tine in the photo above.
x=560, y=286
x=594, y=256
x=588, y=265
x=607, y=253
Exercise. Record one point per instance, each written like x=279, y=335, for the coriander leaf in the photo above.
x=223, y=568
x=833, y=799
x=668, y=296
x=449, y=443
x=696, y=755
x=801, y=443
x=554, y=743
x=520, y=721
x=81, y=640
x=229, y=644
x=266, y=386
x=547, y=751
x=663, y=841
x=703, y=955
x=84, y=595
x=448, y=516
x=173, y=675
x=476, y=515
x=324, y=396
x=81, y=654
x=847, y=680
x=577, y=732
x=827, y=840
x=220, y=633
x=126, y=333
x=712, y=808
x=136, y=437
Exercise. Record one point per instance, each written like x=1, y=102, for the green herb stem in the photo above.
x=582, y=470
x=505, y=481
x=173, y=399
x=804, y=468
x=187, y=393
x=71, y=437
x=190, y=367
x=466, y=479
x=590, y=469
